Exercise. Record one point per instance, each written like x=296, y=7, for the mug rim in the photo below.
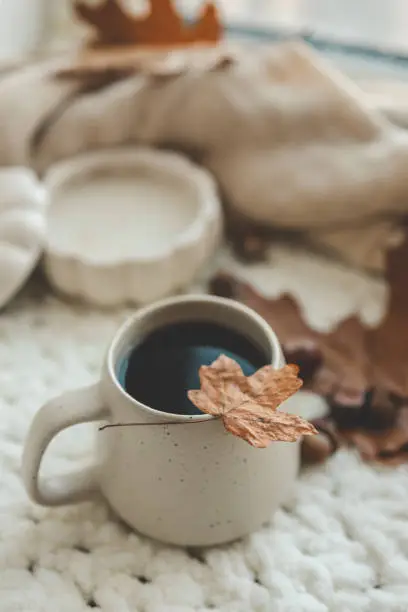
x=131, y=322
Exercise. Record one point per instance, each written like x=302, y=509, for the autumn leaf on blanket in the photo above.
x=110, y=66
x=362, y=372
x=248, y=406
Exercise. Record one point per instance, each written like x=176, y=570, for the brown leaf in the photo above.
x=387, y=345
x=87, y=71
x=315, y=449
x=362, y=372
x=248, y=405
x=282, y=314
x=389, y=446
x=248, y=424
x=345, y=357
x=91, y=80
x=335, y=364
x=161, y=25
x=105, y=67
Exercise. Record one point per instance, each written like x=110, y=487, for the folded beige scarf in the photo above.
x=293, y=143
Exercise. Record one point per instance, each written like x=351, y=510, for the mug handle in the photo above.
x=81, y=406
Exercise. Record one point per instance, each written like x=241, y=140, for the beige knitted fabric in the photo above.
x=290, y=140
x=340, y=545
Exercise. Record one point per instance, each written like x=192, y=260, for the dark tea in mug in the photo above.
x=161, y=369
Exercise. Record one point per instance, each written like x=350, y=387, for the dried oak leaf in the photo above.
x=300, y=342
x=248, y=405
x=316, y=449
x=362, y=372
x=387, y=344
x=389, y=446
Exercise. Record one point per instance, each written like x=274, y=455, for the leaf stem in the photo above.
x=189, y=422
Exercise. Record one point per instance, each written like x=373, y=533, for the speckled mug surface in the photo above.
x=192, y=484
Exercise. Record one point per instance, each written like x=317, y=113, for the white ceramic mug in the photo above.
x=192, y=484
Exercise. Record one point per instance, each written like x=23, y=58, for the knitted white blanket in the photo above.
x=341, y=545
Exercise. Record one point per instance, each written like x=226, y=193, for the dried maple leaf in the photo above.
x=248, y=405
x=160, y=26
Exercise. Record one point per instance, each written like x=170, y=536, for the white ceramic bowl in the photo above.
x=129, y=225
x=22, y=227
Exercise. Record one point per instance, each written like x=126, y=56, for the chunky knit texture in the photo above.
x=340, y=545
